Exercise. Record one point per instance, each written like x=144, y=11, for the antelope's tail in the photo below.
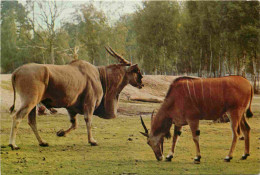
x=249, y=113
x=13, y=83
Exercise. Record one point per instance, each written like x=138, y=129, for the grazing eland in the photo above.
x=190, y=100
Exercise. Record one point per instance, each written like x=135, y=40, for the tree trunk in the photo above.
x=225, y=66
x=258, y=81
x=191, y=64
x=131, y=56
x=107, y=58
x=254, y=74
x=229, y=66
x=219, y=65
x=243, y=67
x=210, y=64
x=238, y=65
x=33, y=20
x=52, y=53
x=164, y=57
x=93, y=57
x=199, y=72
x=44, y=61
x=177, y=66
x=164, y=65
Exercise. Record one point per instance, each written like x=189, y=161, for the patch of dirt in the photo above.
x=155, y=88
x=7, y=96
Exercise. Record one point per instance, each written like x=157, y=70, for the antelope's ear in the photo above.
x=133, y=68
x=145, y=134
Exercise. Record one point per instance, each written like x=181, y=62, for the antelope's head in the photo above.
x=133, y=73
x=155, y=142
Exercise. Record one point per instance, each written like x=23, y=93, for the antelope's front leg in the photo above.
x=88, y=119
x=74, y=124
x=176, y=134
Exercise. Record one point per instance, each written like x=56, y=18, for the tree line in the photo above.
x=202, y=38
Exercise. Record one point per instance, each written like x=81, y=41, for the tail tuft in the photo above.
x=11, y=109
x=249, y=113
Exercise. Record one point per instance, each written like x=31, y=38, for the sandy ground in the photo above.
x=7, y=95
x=155, y=87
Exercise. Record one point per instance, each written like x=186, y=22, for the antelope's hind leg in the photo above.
x=235, y=117
x=194, y=126
x=17, y=118
x=33, y=125
x=246, y=131
x=176, y=134
x=30, y=96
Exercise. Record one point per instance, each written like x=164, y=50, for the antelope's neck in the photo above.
x=113, y=79
x=161, y=123
x=102, y=74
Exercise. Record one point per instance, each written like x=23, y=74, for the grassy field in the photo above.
x=122, y=150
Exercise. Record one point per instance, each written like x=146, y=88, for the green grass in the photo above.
x=116, y=154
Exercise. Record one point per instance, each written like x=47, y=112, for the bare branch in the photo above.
x=29, y=46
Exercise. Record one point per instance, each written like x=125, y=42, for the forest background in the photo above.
x=200, y=38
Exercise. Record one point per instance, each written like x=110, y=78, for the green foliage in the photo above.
x=207, y=35
x=156, y=27
x=123, y=38
x=207, y=38
x=91, y=32
x=15, y=31
x=8, y=35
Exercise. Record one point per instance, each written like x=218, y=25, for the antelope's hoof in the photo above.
x=242, y=138
x=227, y=159
x=44, y=144
x=61, y=133
x=244, y=157
x=197, y=160
x=53, y=111
x=93, y=143
x=13, y=147
x=169, y=158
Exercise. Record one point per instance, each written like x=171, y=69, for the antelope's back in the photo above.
x=62, y=84
x=209, y=97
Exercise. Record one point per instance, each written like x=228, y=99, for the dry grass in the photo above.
x=122, y=150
